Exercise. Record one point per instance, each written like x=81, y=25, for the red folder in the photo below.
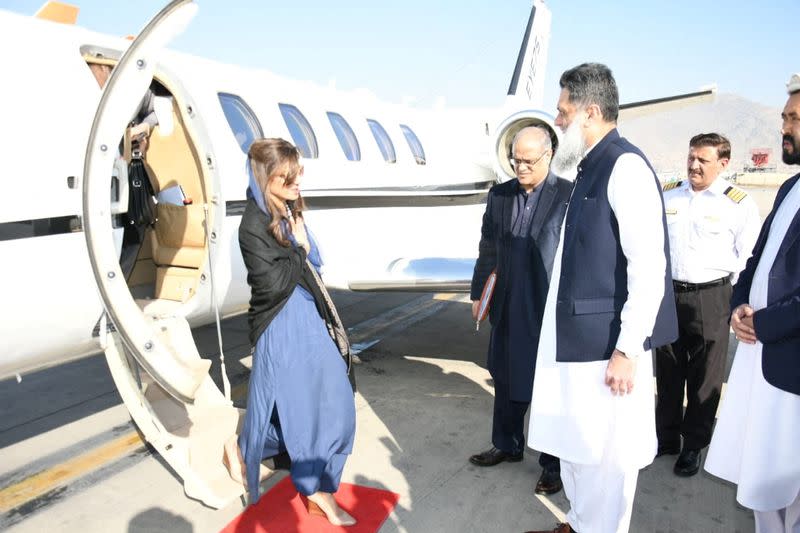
x=486, y=299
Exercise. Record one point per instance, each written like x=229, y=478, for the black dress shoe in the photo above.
x=688, y=463
x=549, y=482
x=494, y=456
x=668, y=449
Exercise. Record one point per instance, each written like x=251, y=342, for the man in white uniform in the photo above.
x=712, y=229
x=757, y=437
x=610, y=302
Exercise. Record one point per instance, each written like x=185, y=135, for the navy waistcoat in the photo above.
x=594, y=281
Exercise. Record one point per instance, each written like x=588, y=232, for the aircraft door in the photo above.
x=150, y=351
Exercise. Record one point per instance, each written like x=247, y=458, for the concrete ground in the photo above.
x=424, y=405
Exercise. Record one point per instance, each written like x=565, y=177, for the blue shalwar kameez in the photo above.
x=300, y=399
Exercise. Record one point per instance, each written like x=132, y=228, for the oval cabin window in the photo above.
x=384, y=142
x=241, y=119
x=414, y=144
x=346, y=135
x=301, y=131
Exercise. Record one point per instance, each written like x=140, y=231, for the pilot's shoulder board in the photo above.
x=671, y=185
x=735, y=194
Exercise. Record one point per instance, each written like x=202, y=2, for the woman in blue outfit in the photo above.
x=300, y=399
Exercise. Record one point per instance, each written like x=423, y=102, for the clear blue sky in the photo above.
x=465, y=50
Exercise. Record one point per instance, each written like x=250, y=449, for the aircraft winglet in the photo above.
x=527, y=82
x=58, y=12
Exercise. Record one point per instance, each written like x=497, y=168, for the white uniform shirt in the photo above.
x=711, y=236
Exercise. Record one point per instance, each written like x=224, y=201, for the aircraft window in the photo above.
x=241, y=119
x=414, y=144
x=346, y=135
x=383, y=140
x=300, y=130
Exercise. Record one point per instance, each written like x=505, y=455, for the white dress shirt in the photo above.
x=632, y=195
x=710, y=235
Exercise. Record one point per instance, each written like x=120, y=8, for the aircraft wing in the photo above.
x=666, y=103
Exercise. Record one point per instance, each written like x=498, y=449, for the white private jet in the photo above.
x=395, y=196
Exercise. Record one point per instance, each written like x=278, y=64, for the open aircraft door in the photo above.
x=152, y=356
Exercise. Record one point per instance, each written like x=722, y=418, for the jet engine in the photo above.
x=508, y=128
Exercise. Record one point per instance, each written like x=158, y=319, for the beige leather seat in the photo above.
x=178, y=241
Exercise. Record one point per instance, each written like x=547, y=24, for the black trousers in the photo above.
x=507, y=428
x=697, y=360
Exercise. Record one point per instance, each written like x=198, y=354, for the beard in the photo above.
x=793, y=157
x=571, y=148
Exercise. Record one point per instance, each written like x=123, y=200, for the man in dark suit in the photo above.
x=519, y=237
x=756, y=439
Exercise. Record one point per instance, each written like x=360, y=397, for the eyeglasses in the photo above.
x=517, y=162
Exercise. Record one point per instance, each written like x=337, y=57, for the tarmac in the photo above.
x=70, y=460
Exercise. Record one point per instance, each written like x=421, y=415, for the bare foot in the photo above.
x=323, y=504
x=232, y=459
x=234, y=462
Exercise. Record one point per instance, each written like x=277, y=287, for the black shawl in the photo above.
x=273, y=271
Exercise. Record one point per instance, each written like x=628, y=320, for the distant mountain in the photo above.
x=664, y=136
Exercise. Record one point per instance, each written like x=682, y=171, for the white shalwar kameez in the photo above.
x=756, y=442
x=604, y=440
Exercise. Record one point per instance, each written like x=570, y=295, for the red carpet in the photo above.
x=281, y=510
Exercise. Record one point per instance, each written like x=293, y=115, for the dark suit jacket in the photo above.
x=496, y=237
x=778, y=324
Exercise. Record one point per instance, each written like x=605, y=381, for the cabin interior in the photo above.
x=170, y=254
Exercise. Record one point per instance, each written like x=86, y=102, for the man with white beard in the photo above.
x=610, y=302
x=758, y=432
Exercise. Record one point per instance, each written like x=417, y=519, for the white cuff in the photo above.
x=629, y=345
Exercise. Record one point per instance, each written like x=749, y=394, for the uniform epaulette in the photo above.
x=671, y=185
x=737, y=195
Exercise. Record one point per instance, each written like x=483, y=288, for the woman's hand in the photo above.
x=299, y=232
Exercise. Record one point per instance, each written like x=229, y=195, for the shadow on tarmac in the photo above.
x=155, y=520
x=54, y=397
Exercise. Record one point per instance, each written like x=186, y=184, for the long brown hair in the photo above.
x=268, y=158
